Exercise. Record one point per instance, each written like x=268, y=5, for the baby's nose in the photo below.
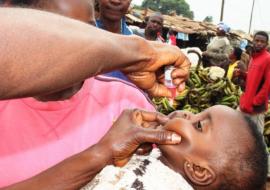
x=181, y=114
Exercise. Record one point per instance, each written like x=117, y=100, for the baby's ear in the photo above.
x=199, y=175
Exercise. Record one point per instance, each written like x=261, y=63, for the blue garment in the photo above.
x=125, y=31
x=243, y=44
x=224, y=27
x=182, y=36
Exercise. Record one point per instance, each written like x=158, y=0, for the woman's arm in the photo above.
x=116, y=147
x=41, y=52
x=70, y=174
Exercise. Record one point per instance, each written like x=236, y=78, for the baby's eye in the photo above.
x=198, y=126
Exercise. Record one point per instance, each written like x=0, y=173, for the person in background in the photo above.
x=112, y=18
x=66, y=112
x=235, y=67
x=245, y=60
x=153, y=29
x=220, y=43
x=171, y=37
x=237, y=63
x=254, y=101
x=235, y=58
x=219, y=49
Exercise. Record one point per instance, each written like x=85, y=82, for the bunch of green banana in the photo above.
x=201, y=93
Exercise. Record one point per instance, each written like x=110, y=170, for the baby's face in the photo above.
x=204, y=136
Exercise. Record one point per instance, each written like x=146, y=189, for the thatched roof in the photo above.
x=182, y=24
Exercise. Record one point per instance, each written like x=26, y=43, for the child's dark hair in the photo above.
x=249, y=169
x=262, y=33
x=237, y=52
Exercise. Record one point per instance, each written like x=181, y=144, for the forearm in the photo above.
x=42, y=52
x=71, y=174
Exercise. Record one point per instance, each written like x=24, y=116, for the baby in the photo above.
x=220, y=149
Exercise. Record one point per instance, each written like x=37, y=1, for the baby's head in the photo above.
x=220, y=149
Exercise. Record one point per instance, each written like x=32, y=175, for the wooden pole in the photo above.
x=222, y=10
x=251, y=16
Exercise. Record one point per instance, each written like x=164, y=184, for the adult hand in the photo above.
x=147, y=75
x=236, y=72
x=132, y=130
x=147, y=148
x=181, y=114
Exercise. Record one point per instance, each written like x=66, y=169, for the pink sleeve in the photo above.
x=137, y=99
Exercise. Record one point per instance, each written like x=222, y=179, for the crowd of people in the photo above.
x=76, y=88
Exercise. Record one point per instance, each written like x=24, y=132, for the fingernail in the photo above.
x=163, y=118
x=182, y=86
x=175, y=138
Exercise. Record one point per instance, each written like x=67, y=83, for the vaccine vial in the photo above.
x=169, y=81
x=168, y=77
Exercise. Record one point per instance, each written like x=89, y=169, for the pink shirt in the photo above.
x=36, y=135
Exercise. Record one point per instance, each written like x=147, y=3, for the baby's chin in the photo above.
x=162, y=158
x=164, y=153
x=166, y=148
x=165, y=159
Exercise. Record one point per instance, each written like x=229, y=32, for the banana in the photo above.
x=200, y=90
x=165, y=104
x=266, y=130
x=201, y=93
x=216, y=85
x=226, y=104
x=190, y=83
x=182, y=95
x=205, y=94
x=197, y=79
x=231, y=86
x=267, y=123
x=187, y=106
x=195, y=82
x=221, y=86
x=204, y=77
x=157, y=101
x=231, y=98
x=228, y=90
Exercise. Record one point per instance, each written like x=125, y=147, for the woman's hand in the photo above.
x=147, y=75
x=132, y=130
